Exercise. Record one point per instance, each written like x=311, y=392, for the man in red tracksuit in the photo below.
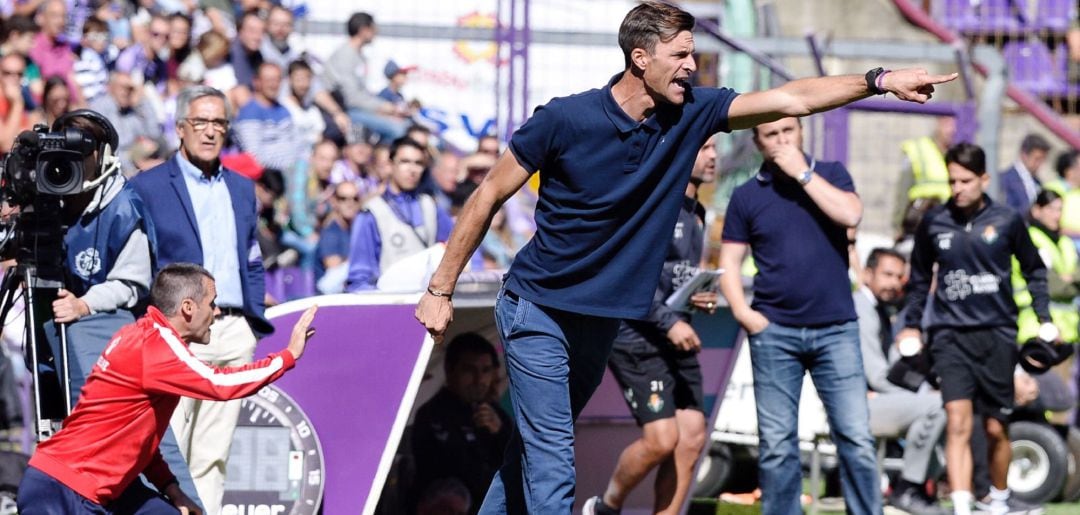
x=92, y=464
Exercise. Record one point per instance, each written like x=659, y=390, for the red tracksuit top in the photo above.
x=113, y=433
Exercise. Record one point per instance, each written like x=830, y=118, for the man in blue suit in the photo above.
x=205, y=214
x=1020, y=183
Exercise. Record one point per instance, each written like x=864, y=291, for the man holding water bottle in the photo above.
x=972, y=319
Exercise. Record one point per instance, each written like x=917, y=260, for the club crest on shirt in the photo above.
x=989, y=234
x=655, y=403
x=88, y=262
x=944, y=240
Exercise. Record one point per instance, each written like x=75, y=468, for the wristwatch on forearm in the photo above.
x=873, y=84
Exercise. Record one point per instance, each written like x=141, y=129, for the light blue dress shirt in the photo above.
x=212, y=204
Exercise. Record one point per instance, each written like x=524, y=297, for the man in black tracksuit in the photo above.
x=655, y=362
x=972, y=319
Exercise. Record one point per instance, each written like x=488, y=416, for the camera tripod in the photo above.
x=37, y=279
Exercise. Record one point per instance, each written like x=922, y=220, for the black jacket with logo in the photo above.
x=974, y=260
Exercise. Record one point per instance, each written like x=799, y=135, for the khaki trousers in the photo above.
x=204, y=429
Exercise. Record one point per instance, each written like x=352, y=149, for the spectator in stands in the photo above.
x=269, y=199
x=146, y=58
x=381, y=166
x=461, y=433
x=1067, y=186
x=970, y=243
x=92, y=67
x=398, y=223
x=319, y=181
x=333, y=251
x=57, y=100
x=355, y=166
x=812, y=328
x=14, y=115
x=298, y=99
x=923, y=179
x=221, y=235
x=129, y=112
x=345, y=74
x=445, y=176
x=264, y=127
x=244, y=53
x=396, y=77
x=895, y=410
x=1020, y=182
x=276, y=45
x=179, y=42
x=488, y=144
x=19, y=33
x=209, y=65
x=52, y=55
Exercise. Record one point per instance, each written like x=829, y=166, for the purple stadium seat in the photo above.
x=1055, y=15
x=299, y=283
x=1033, y=69
x=984, y=16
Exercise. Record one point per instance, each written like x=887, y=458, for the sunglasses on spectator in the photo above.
x=200, y=124
x=348, y=199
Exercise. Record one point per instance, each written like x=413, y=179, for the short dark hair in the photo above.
x=180, y=16
x=968, y=155
x=468, y=344
x=1034, y=142
x=416, y=127
x=359, y=21
x=250, y=13
x=650, y=23
x=1045, y=197
x=875, y=257
x=19, y=25
x=94, y=24
x=405, y=141
x=1065, y=161
x=176, y=282
x=298, y=64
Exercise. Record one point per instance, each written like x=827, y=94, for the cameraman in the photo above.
x=108, y=258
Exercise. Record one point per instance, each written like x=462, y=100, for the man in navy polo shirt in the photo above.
x=794, y=215
x=615, y=162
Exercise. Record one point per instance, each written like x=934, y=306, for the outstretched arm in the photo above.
x=813, y=95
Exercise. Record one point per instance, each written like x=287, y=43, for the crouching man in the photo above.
x=92, y=464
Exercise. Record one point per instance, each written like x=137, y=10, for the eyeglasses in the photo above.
x=200, y=124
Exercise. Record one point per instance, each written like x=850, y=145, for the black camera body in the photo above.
x=46, y=162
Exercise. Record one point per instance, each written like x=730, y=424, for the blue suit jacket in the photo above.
x=1015, y=195
x=168, y=204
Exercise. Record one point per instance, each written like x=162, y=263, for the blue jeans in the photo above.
x=87, y=339
x=781, y=355
x=555, y=360
x=387, y=127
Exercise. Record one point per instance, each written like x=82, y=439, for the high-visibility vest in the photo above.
x=928, y=168
x=1063, y=261
x=1070, y=205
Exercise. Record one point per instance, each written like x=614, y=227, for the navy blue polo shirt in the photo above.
x=801, y=255
x=610, y=191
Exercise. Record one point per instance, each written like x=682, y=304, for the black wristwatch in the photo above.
x=871, y=81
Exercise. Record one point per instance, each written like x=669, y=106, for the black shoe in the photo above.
x=911, y=502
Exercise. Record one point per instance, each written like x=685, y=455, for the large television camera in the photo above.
x=44, y=170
